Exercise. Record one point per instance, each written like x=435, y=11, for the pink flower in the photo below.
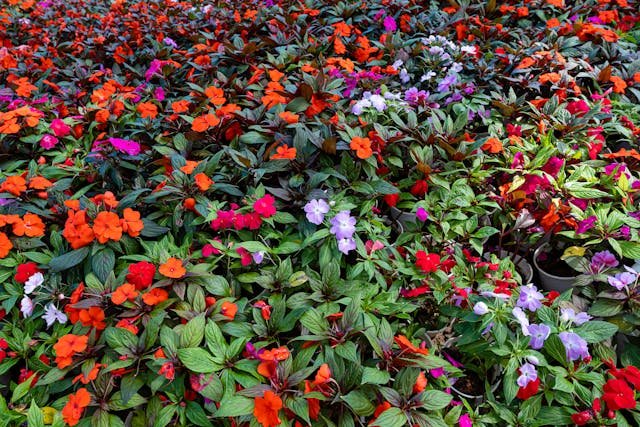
x=132, y=148
x=465, y=421
x=553, y=166
x=389, y=24
x=158, y=94
x=60, y=128
x=265, y=206
x=48, y=141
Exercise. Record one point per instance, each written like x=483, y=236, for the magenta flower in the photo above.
x=128, y=146
x=48, y=141
x=60, y=128
x=586, y=224
x=389, y=24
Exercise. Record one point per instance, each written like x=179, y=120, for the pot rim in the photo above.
x=540, y=269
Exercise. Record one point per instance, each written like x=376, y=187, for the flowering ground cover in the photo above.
x=308, y=213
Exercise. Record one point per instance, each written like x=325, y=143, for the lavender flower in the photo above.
x=569, y=315
x=258, y=257
x=316, y=210
x=447, y=82
x=346, y=245
x=378, y=102
x=575, y=347
x=539, y=334
x=480, y=308
x=528, y=373
x=522, y=319
x=26, y=306
x=530, y=298
x=52, y=314
x=622, y=280
x=343, y=225
x=601, y=261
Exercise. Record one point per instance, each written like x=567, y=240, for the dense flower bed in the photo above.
x=278, y=213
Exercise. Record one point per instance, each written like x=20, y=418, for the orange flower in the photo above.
x=215, y=95
x=362, y=147
x=203, y=181
x=76, y=230
x=147, y=109
x=91, y=375
x=9, y=126
x=67, y=346
x=493, y=145
x=289, y=117
x=407, y=347
x=229, y=310
x=39, y=183
x=124, y=293
x=172, y=268
x=5, y=245
x=526, y=63
x=619, y=85
x=549, y=77
x=93, y=317
x=204, y=122
x=72, y=204
x=30, y=225
x=108, y=198
x=131, y=222
x=180, y=106
x=73, y=410
x=155, y=296
x=14, y=184
x=107, y=227
x=284, y=153
x=553, y=23
x=266, y=409
x=189, y=167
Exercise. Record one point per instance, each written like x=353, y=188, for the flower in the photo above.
x=601, y=261
x=48, y=141
x=26, y=306
x=465, y=421
x=575, y=347
x=480, y=308
x=618, y=395
x=389, y=24
x=155, y=296
x=266, y=409
x=5, y=245
x=531, y=389
x=25, y=271
x=582, y=418
x=60, y=128
x=14, y=184
x=346, y=245
x=362, y=147
x=203, y=181
x=229, y=310
x=107, y=227
x=428, y=263
x=123, y=293
x=30, y=225
x=33, y=282
x=284, y=152
x=530, y=298
x=77, y=231
x=265, y=206
x=522, y=319
x=141, y=274
x=52, y=314
x=538, y=334
x=569, y=315
x=73, y=410
x=528, y=373
x=92, y=317
x=343, y=225
x=315, y=211
x=67, y=346
x=422, y=214
x=622, y=280
x=173, y=269
x=126, y=146
x=586, y=224
x=131, y=222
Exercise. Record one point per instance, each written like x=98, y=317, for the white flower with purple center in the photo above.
x=316, y=210
x=575, y=347
x=528, y=373
x=343, y=225
x=530, y=298
x=539, y=334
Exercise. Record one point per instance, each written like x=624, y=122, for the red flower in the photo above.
x=631, y=374
x=420, y=188
x=266, y=409
x=141, y=274
x=265, y=206
x=530, y=390
x=428, y=263
x=581, y=418
x=392, y=199
x=24, y=271
x=618, y=395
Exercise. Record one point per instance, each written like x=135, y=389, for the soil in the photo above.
x=551, y=263
x=471, y=385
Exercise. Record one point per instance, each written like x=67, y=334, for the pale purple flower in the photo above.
x=539, y=334
x=569, y=315
x=389, y=24
x=447, y=82
x=315, y=210
x=257, y=257
x=52, y=314
x=359, y=106
x=522, y=319
x=127, y=146
x=422, y=214
x=170, y=42
x=575, y=347
x=34, y=281
x=622, y=280
x=346, y=245
x=480, y=308
x=343, y=225
x=530, y=298
x=26, y=306
x=48, y=141
x=586, y=224
x=378, y=102
x=601, y=261
x=528, y=373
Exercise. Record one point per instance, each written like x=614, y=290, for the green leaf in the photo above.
x=102, y=263
x=392, y=417
x=68, y=260
x=359, y=403
x=605, y=308
x=375, y=376
x=192, y=333
x=435, y=399
x=20, y=391
x=629, y=249
x=164, y=417
x=35, y=417
x=235, y=406
x=596, y=331
x=197, y=360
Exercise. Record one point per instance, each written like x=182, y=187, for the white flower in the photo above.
x=26, y=306
x=468, y=49
x=51, y=314
x=33, y=282
x=521, y=317
x=397, y=64
x=533, y=360
x=378, y=102
x=480, y=308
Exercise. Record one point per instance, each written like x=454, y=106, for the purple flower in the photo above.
x=539, y=334
x=586, y=224
x=480, y=308
x=154, y=67
x=618, y=168
x=414, y=96
x=315, y=210
x=575, y=347
x=53, y=315
x=346, y=245
x=553, y=166
x=257, y=257
x=569, y=315
x=422, y=214
x=389, y=24
x=522, y=319
x=158, y=94
x=132, y=148
x=343, y=225
x=528, y=373
x=447, y=82
x=518, y=160
x=530, y=298
x=601, y=261
x=621, y=280
x=170, y=42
